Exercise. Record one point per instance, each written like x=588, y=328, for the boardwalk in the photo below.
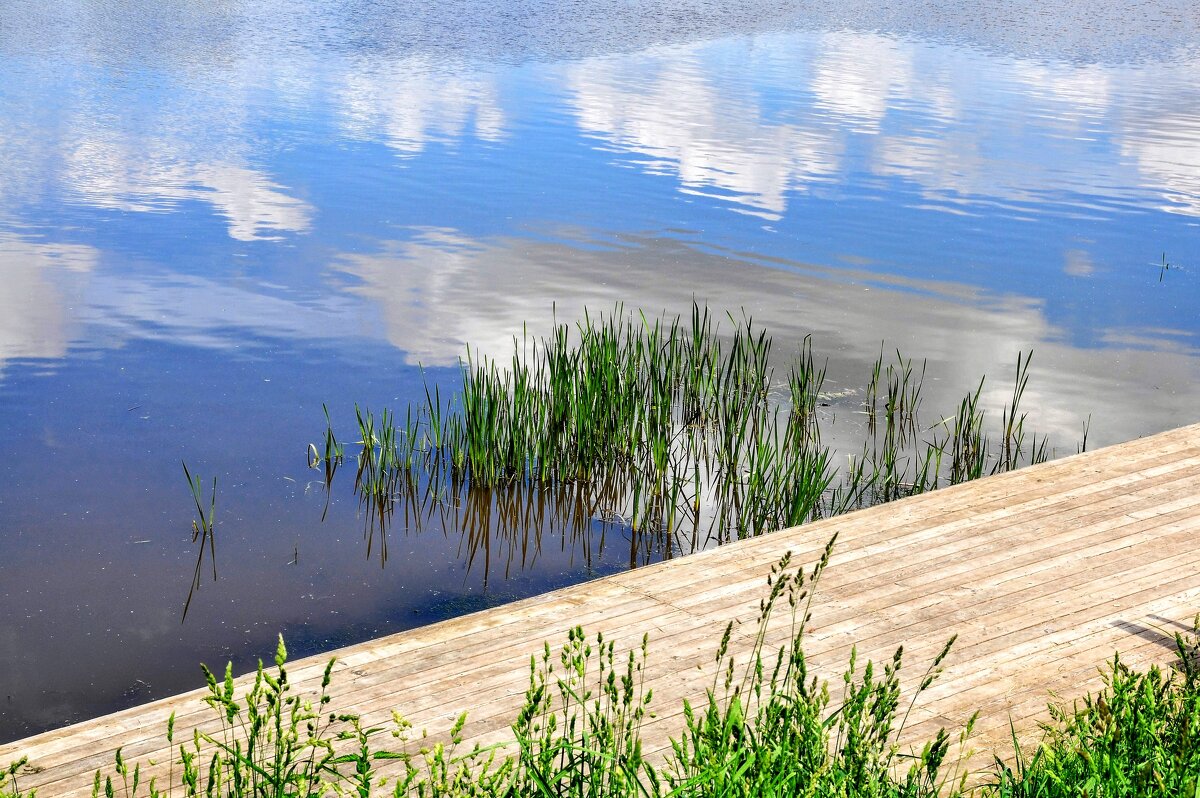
x=1042, y=573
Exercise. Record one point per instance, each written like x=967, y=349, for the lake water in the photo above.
x=216, y=216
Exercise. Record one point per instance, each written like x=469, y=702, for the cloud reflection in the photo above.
x=760, y=119
x=409, y=102
x=666, y=105
x=751, y=121
x=1172, y=157
x=858, y=77
x=442, y=291
x=116, y=174
x=40, y=282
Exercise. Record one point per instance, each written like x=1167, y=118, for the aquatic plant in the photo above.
x=329, y=461
x=680, y=432
x=203, y=532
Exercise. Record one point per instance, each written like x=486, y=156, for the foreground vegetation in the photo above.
x=1139, y=737
x=766, y=727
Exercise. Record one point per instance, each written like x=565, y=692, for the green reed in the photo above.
x=328, y=459
x=203, y=532
x=673, y=427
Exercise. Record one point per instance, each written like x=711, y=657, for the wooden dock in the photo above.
x=1042, y=573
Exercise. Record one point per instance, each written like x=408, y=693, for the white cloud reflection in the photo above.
x=118, y=145
x=443, y=291
x=119, y=176
x=749, y=120
x=857, y=77
x=757, y=119
x=406, y=103
x=1171, y=156
x=38, y=284
x=666, y=105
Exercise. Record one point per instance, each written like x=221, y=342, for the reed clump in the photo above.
x=680, y=430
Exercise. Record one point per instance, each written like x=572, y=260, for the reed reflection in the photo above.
x=678, y=436
x=503, y=526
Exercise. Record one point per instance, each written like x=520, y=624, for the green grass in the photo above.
x=681, y=431
x=1139, y=737
x=766, y=726
x=9, y=786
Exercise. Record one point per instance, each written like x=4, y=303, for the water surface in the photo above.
x=215, y=217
